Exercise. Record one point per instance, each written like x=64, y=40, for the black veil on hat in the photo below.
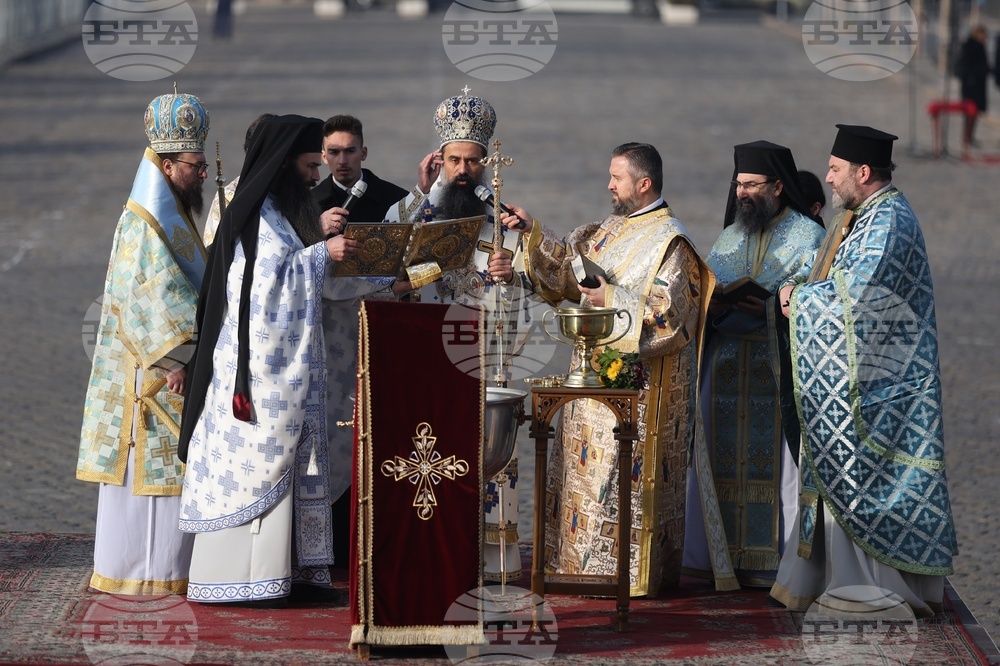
x=773, y=161
x=274, y=142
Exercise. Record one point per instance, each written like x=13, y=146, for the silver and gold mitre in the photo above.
x=177, y=123
x=465, y=118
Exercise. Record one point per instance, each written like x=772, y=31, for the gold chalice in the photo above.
x=585, y=328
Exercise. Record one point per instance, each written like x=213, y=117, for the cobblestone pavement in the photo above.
x=72, y=138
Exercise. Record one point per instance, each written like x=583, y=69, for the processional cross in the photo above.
x=498, y=161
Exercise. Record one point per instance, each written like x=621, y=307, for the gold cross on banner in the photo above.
x=425, y=468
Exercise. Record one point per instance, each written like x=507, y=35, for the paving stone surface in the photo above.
x=72, y=139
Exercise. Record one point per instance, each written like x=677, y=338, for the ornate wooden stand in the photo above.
x=545, y=402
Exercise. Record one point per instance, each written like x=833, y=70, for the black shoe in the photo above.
x=277, y=602
x=303, y=592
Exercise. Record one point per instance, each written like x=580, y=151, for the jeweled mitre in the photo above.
x=177, y=123
x=465, y=118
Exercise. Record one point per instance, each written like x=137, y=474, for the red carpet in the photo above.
x=47, y=616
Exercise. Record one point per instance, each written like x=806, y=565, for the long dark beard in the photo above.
x=460, y=200
x=291, y=196
x=193, y=200
x=754, y=216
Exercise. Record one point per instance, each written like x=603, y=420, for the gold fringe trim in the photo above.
x=366, y=597
x=755, y=493
x=761, y=494
x=755, y=560
x=492, y=534
x=727, y=492
x=137, y=587
x=468, y=634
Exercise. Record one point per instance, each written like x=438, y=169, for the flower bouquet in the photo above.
x=621, y=371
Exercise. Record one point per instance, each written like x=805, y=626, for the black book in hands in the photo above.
x=586, y=271
x=738, y=290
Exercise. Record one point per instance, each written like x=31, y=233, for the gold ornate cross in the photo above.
x=498, y=161
x=425, y=467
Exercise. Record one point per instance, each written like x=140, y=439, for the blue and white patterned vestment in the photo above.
x=131, y=419
x=756, y=477
x=868, y=392
x=238, y=470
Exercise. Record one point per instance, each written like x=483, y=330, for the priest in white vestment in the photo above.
x=446, y=189
x=132, y=415
x=655, y=274
x=256, y=490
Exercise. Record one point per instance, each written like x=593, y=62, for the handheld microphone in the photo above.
x=356, y=193
x=487, y=197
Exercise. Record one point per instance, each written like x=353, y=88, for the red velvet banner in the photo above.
x=418, y=476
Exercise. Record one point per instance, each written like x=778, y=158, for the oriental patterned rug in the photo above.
x=47, y=616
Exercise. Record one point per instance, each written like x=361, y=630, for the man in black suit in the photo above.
x=343, y=151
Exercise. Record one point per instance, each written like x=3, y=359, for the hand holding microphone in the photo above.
x=356, y=193
x=486, y=196
x=333, y=222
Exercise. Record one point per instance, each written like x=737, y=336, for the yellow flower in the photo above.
x=614, y=369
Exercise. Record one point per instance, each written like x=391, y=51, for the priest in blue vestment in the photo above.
x=875, y=525
x=132, y=416
x=768, y=237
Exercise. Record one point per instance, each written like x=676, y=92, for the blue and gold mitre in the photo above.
x=465, y=118
x=177, y=123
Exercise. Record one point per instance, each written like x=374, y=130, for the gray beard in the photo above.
x=458, y=201
x=754, y=218
x=840, y=202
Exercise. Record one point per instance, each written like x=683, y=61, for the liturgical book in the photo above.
x=586, y=270
x=738, y=290
x=388, y=249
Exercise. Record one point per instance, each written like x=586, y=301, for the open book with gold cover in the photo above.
x=387, y=250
